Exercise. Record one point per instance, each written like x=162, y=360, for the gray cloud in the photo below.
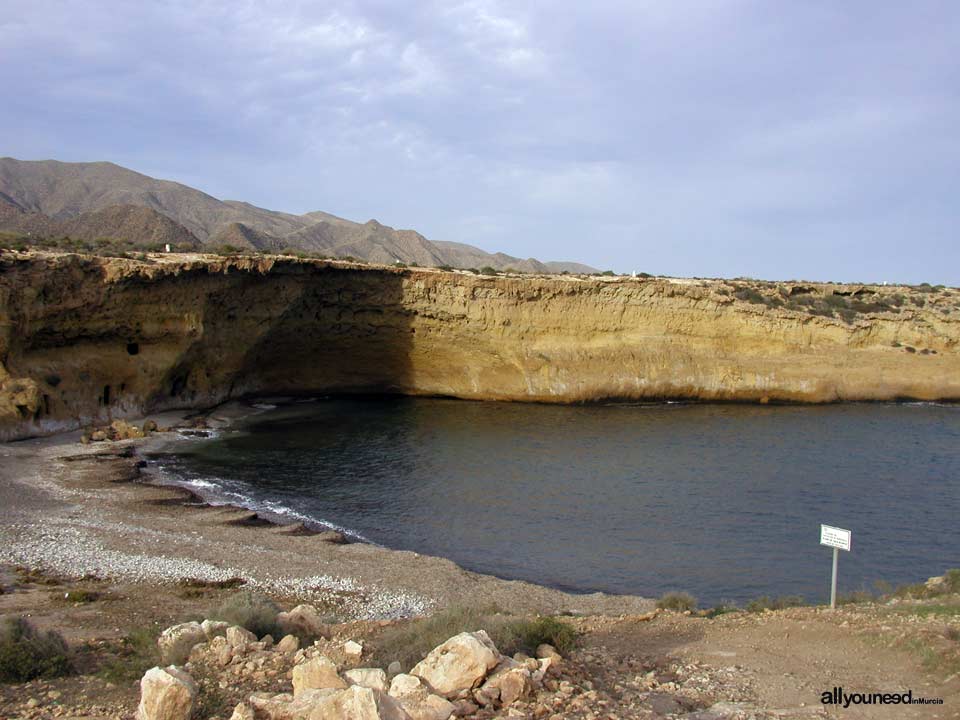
x=721, y=137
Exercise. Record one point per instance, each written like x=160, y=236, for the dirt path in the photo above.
x=783, y=661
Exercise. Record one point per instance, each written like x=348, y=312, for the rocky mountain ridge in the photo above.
x=91, y=200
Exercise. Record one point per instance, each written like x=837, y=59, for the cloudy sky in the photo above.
x=808, y=139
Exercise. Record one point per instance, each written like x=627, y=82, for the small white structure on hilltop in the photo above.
x=166, y=248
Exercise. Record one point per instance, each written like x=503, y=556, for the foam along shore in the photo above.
x=77, y=509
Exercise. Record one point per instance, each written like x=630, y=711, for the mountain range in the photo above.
x=93, y=200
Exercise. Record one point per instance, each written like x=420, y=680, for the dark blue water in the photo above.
x=723, y=501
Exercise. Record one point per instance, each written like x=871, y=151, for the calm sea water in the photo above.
x=723, y=501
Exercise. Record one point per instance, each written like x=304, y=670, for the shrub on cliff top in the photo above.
x=257, y=613
x=764, y=602
x=678, y=601
x=26, y=653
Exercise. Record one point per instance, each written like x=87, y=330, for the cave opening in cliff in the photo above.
x=133, y=348
x=105, y=398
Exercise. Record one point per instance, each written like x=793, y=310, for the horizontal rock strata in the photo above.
x=84, y=339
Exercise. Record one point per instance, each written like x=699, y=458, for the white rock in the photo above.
x=242, y=712
x=316, y=674
x=166, y=694
x=417, y=700
x=373, y=678
x=352, y=649
x=288, y=644
x=176, y=642
x=460, y=663
x=403, y=684
x=303, y=621
x=214, y=628
x=394, y=669
x=358, y=703
x=512, y=680
x=238, y=636
x=286, y=707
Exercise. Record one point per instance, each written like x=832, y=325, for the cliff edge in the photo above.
x=84, y=339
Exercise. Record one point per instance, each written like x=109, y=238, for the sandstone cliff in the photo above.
x=83, y=339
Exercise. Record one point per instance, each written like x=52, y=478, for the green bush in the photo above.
x=487, y=270
x=252, y=611
x=529, y=634
x=750, y=295
x=678, y=601
x=723, y=608
x=138, y=653
x=854, y=598
x=26, y=653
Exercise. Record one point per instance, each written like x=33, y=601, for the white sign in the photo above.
x=835, y=537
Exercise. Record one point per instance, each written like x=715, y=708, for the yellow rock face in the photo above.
x=86, y=339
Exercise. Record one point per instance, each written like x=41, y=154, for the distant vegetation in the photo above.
x=677, y=601
x=813, y=300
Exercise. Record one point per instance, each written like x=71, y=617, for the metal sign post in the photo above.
x=838, y=539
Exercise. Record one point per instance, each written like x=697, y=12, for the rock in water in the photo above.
x=460, y=663
x=166, y=694
x=176, y=642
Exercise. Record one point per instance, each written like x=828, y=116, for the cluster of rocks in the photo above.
x=464, y=676
x=120, y=430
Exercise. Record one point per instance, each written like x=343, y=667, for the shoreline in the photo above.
x=80, y=509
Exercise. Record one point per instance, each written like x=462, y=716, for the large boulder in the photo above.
x=166, y=694
x=317, y=674
x=459, y=664
x=176, y=642
x=417, y=700
x=303, y=621
x=358, y=703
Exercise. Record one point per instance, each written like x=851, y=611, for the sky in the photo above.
x=812, y=139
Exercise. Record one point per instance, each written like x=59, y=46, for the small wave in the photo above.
x=264, y=406
x=218, y=492
x=198, y=483
x=199, y=433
